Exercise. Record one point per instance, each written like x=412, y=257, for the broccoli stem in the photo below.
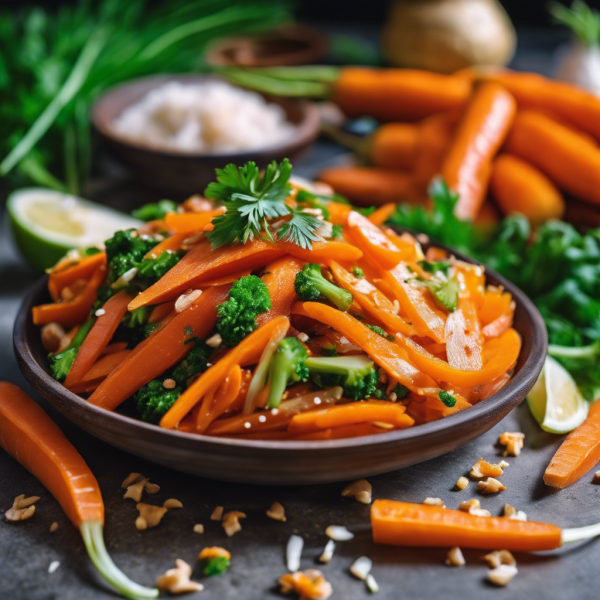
x=311, y=285
x=590, y=351
x=287, y=366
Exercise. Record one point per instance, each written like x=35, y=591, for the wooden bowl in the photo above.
x=294, y=462
x=184, y=173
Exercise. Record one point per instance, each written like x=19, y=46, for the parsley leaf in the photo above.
x=445, y=291
x=448, y=399
x=300, y=229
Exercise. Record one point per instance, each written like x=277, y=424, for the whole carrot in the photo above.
x=479, y=135
x=566, y=157
x=29, y=435
x=394, y=146
x=518, y=186
x=406, y=524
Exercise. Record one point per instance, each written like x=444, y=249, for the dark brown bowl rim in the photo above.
x=306, y=130
x=530, y=368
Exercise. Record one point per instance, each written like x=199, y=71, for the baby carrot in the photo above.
x=29, y=435
x=394, y=146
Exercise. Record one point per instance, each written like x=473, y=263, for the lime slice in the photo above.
x=46, y=224
x=555, y=401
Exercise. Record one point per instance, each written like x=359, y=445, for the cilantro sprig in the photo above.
x=252, y=200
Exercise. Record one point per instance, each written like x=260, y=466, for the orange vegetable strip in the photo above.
x=369, y=186
x=114, y=347
x=247, y=352
x=418, y=304
x=495, y=303
x=164, y=348
x=191, y=222
x=99, y=371
x=421, y=525
x=479, y=135
x=98, y=337
x=578, y=453
x=29, y=435
x=322, y=251
x=564, y=153
x=501, y=324
x=62, y=277
x=463, y=338
x=170, y=244
x=371, y=299
x=203, y=264
x=72, y=312
x=160, y=311
x=279, y=279
x=347, y=431
x=386, y=354
x=350, y=414
x=373, y=242
x=394, y=146
x=518, y=186
x=398, y=94
x=338, y=212
x=381, y=215
x=225, y=279
x=226, y=394
x=502, y=355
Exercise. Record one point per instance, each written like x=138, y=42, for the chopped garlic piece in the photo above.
x=339, y=533
x=293, y=553
x=361, y=490
x=455, y=558
x=327, y=554
x=361, y=567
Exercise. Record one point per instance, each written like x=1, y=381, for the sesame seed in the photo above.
x=262, y=418
x=169, y=384
x=275, y=411
x=317, y=400
x=393, y=396
x=247, y=424
x=100, y=312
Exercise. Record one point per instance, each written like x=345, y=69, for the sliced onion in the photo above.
x=311, y=400
x=327, y=554
x=293, y=553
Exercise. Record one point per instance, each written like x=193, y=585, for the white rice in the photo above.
x=211, y=117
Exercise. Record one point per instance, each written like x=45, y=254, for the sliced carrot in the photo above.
x=72, y=312
x=338, y=212
x=226, y=394
x=62, y=277
x=347, y=431
x=202, y=263
x=160, y=311
x=113, y=348
x=390, y=357
x=99, y=371
x=191, y=222
x=463, y=338
x=405, y=524
x=98, y=337
x=578, y=453
x=164, y=348
x=169, y=244
x=323, y=250
x=247, y=352
x=225, y=279
x=394, y=146
x=279, y=279
x=501, y=324
x=350, y=414
x=29, y=435
x=495, y=303
x=381, y=215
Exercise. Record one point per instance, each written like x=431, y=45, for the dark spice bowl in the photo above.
x=283, y=462
x=184, y=173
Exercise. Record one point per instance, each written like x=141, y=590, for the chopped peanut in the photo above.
x=482, y=468
x=135, y=490
x=499, y=557
x=596, y=477
x=502, y=575
x=186, y=300
x=214, y=552
x=177, y=580
x=276, y=512
x=513, y=441
x=490, y=486
x=52, y=334
x=151, y=488
x=22, y=508
x=434, y=502
x=231, y=522
x=455, y=558
x=150, y=515
x=172, y=503
x=361, y=490
x=462, y=483
x=217, y=514
x=503, y=464
x=473, y=506
x=309, y=585
x=53, y=527
x=131, y=479
x=198, y=528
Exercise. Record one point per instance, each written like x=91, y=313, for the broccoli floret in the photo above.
x=217, y=565
x=195, y=362
x=154, y=211
x=311, y=285
x=60, y=364
x=336, y=231
x=125, y=251
x=381, y=331
x=287, y=366
x=154, y=400
x=236, y=317
x=357, y=272
x=356, y=374
x=434, y=267
x=152, y=269
x=448, y=399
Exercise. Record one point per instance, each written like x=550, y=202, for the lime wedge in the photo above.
x=555, y=401
x=46, y=224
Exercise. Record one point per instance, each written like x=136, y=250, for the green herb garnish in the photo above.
x=447, y=399
x=381, y=331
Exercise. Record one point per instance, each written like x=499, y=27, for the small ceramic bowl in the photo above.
x=293, y=462
x=181, y=173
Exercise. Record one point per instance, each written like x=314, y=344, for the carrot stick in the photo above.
x=72, y=312
x=346, y=431
x=164, y=348
x=518, y=186
x=381, y=215
x=382, y=352
x=247, y=352
x=479, y=135
x=160, y=311
x=323, y=250
x=463, y=338
x=62, y=277
x=564, y=153
x=369, y=186
x=398, y=94
x=394, y=146
x=29, y=435
x=190, y=222
x=421, y=525
x=99, y=336
x=202, y=263
x=226, y=394
x=169, y=244
x=225, y=279
x=99, y=371
x=578, y=454
x=279, y=279
x=338, y=212
x=113, y=348
x=350, y=414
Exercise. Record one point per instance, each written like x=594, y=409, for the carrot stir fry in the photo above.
x=280, y=314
